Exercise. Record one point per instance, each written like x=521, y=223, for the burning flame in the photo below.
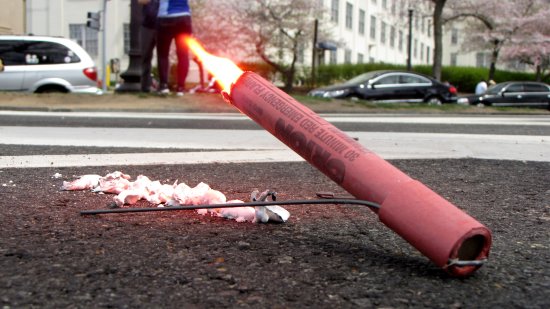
x=224, y=70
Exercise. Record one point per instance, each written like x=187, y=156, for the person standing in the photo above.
x=481, y=87
x=148, y=40
x=173, y=23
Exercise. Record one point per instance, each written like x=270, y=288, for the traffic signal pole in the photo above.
x=104, y=46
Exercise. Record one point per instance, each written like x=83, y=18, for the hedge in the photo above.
x=463, y=78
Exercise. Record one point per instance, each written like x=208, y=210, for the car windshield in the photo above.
x=360, y=79
x=496, y=88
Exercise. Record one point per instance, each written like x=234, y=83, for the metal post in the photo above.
x=104, y=43
x=314, y=54
x=409, y=47
x=132, y=76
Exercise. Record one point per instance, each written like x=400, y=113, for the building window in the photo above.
x=454, y=36
x=347, y=56
x=334, y=11
x=400, y=41
x=360, y=58
x=373, y=2
x=332, y=59
x=392, y=36
x=453, y=59
x=421, y=51
x=428, y=59
x=126, y=39
x=322, y=60
x=422, y=25
x=383, y=33
x=481, y=60
x=385, y=4
x=373, y=27
x=85, y=37
x=349, y=15
x=429, y=28
x=361, y=22
x=415, y=48
x=301, y=53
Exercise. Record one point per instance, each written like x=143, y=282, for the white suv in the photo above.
x=46, y=64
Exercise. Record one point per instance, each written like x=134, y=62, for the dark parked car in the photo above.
x=391, y=86
x=527, y=94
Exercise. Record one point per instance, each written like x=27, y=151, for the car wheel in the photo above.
x=434, y=101
x=52, y=89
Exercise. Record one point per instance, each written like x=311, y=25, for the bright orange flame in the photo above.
x=224, y=70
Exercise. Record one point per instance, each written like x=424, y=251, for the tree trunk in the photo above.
x=494, y=58
x=539, y=73
x=289, y=79
x=438, y=38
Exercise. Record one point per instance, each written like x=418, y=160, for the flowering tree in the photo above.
x=275, y=32
x=279, y=31
x=502, y=26
x=531, y=45
x=217, y=26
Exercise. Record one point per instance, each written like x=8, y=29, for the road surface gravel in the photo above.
x=325, y=256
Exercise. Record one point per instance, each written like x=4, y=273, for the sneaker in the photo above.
x=180, y=92
x=164, y=90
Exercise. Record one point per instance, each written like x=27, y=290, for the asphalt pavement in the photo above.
x=324, y=256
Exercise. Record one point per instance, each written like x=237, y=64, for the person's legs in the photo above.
x=148, y=42
x=164, y=39
x=183, y=61
x=183, y=29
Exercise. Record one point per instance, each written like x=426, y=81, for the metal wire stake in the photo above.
x=371, y=205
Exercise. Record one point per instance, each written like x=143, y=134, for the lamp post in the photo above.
x=314, y=54
x=132, y=76
x=409, y=43
x=104, y=47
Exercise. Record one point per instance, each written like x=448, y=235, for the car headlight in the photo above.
x=334, y=93
x=316, y=93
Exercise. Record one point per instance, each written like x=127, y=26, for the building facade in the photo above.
x=12, y=16
x=378, y=30
x=455, y=53
x=67, y=18
x=363, y=30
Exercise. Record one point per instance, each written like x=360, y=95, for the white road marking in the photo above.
x=337, y=118
x=261, y=156
x=254, y=146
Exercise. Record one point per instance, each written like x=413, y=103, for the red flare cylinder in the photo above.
x=445, y=234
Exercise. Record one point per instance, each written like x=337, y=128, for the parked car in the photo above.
x=46, y=64
x=527, y=94
x=391, y=86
